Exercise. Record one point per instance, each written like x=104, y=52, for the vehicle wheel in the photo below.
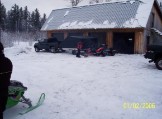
x=113, y=53
x=47, y=50
x=158, y=63
x=53, y=50
x=36, y=49
x=105, y=53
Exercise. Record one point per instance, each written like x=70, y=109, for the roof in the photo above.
x=121, y=14
x=156, y=31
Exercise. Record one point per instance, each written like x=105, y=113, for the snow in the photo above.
x=75, y=24
x=144, y=11
x=50, y=20
x=132, y=23
x=157, y=31
x=66, y=13
x=85, y=88
x=87, y=24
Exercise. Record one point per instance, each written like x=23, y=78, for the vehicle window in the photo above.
x=52, y=40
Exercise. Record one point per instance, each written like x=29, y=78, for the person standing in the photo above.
x=5, y=75
x=79, y=47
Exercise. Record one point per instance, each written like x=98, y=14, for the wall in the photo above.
x=157, y=24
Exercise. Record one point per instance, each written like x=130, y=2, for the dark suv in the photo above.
x=154, y=52
x=51, y=44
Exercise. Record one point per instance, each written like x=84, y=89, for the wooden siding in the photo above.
x=109, y=39
x=139, y=43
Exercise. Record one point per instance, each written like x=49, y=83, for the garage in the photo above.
x=101, y=36
x=59, y=36
x=124, y=42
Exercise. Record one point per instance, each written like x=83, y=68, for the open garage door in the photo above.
x=124, y=42
x=59, y=36
x=101, y=36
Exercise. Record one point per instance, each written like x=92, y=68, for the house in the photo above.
x=155, y=37
x=123, y=25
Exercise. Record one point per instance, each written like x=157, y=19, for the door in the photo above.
x=44, y=44
x=124, y=42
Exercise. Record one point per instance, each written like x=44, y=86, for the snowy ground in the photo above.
x=85, y=88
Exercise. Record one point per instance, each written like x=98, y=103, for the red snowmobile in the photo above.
x=101, y=51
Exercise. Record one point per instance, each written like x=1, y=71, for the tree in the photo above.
x=2, y=16
x=37, y=22
x=18, y=19
x=74, y=2
x=13, y=18
x=21, y=25
x=31, y=21
x=26, y=15
x=43, y=19
x=95, y=1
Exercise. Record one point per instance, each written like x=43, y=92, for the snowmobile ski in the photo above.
x=39, y=103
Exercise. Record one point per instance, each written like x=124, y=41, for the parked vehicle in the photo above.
x=100, y=51
x=154, y=53
x=51, y=44
x=90, y=46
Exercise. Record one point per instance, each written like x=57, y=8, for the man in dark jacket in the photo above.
x=5, y=75
x=79, y=47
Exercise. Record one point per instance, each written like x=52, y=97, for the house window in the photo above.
x=153, y=18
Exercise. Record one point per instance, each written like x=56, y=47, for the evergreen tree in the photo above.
x=74, y=2
x=13, y=18
x=26, y=16
x=18, y=19
x=43, y=19
x=37, y=22
x=21, y=25
x=2, y=16
x=95, y=1
x=32, y=21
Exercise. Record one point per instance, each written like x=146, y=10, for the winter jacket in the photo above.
x=79, y=45
x=5, y=75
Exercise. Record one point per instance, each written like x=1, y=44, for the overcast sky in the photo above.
x=44, y=6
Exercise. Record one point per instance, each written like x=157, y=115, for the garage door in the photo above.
x=124, y=42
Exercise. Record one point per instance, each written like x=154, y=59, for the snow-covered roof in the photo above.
x=157, y=31
x=116, y=14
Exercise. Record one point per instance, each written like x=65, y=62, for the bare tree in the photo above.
x=74, y=2
x=95, y=1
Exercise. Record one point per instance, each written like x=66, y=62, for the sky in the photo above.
x=44, y=6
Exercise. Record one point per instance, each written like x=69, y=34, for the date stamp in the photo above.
x=148, y=105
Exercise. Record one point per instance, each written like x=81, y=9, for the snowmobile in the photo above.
x=16, y=95
x=100, y=51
